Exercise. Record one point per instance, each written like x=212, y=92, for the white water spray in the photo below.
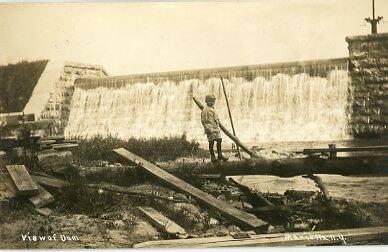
x=283, y=108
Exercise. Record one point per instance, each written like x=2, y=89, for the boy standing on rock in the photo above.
x=211, y=124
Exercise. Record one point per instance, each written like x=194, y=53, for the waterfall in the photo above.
x=283, y=107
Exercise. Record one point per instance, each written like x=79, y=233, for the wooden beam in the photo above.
x=7, y=187
x=63, y=146
x=230, y=212
x=42, y=199
x=345, y=149
x=327, y=237
x=43, y=211
x=50, y=182
x=161, y=222
x=23, y=181
x=3, y=157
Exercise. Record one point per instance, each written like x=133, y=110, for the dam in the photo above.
x=294, y=101
x=316, y=100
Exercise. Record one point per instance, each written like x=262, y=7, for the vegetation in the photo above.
x=17, y=81
x=100, y=148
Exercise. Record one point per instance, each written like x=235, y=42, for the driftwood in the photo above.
x=253, y=196
x=132, y=192
x=233, y=214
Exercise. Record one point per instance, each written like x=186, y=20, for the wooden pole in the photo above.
x=230, y=114
x=229, y=134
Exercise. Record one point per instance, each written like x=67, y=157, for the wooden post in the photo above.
x=229, y=134
x=230, y=114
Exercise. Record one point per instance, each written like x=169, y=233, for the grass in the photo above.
x=77, y=197
x=164, y=149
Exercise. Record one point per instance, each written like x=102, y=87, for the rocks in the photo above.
x=234, y=229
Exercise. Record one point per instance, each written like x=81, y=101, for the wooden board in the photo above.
x=50, y=182
x=42, y=199
x=280, y=239
x=43, y=211
x=22, y=180
x=7, y=187
x=230, y=212
x=3, y=157
x=63, y=146
x=161, y=222
x=345, y=149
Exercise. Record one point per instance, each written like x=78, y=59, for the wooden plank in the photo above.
x=45, y=211
x=7, y=187
x=345, y=149
x=42, y=199
x=161, y=222
x=46, y=142
x=50, y=182
x=327, y=237
x=230, y=212
x=63, y=146
x=22, y=180
x=3, y=157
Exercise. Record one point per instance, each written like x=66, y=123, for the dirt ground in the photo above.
x=111, y=220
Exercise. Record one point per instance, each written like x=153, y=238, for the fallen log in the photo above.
x=50, y=182
x=314, y=238
x=54, y=158
x=235, y=215
x=130, y=191
x=282, y=168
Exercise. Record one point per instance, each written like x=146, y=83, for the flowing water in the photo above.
x=281, y=108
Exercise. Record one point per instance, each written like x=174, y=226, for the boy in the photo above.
x=210, y=122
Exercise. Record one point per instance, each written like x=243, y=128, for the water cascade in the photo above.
x=282, y=107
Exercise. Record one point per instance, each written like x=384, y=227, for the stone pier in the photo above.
x=368, y=68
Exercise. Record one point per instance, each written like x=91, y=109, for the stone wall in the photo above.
x=57, y=104
x=368, y=99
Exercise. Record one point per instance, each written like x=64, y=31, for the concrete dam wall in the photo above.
x=275, y=102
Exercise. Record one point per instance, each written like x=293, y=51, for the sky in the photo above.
x=144, y=37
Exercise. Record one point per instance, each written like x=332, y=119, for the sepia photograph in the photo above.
x=198, y=124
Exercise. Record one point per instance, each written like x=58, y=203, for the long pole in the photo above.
x=230, y=114
x=228, y=133
x=373, y=8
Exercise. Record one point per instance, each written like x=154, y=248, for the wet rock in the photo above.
x=199, y=227
x=213, y=222
x=190, y=208
x=219, y=231
x=276, y=229
x=119, y=224
x=303, y=226
x=234, y=229
x=181, y=197
x=221, y=197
